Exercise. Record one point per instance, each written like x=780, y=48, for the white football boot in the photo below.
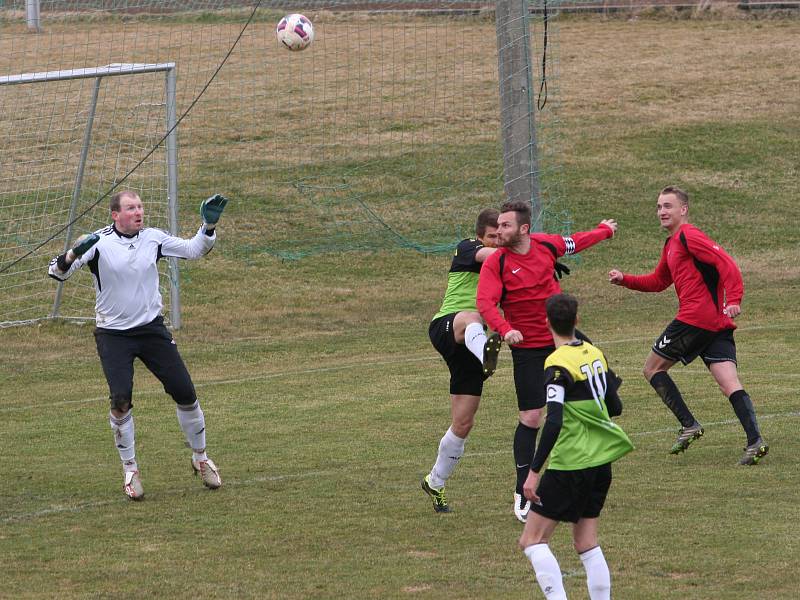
x=133, y=485
x=208, y=473
x=521, y=507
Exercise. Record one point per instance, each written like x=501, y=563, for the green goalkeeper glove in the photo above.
x=212, y=208
x=83, y=243
x=79, y=248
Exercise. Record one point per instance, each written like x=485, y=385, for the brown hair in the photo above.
x=486, y=218
x=674, y=189
x=521, y=207
x=117, y=198
x=562, y=313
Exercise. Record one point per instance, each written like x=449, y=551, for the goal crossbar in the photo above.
x=98, y=73
x=106, y=71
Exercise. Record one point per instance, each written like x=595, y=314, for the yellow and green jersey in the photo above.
x=462, y=280
x=588, y=437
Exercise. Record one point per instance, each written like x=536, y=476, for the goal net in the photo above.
x=384, y=133
x=65, y=147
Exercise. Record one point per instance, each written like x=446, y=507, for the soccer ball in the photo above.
x=295, y=32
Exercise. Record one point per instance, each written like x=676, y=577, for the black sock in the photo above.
x=524, y=446
x=743, y=407
x=664, y=386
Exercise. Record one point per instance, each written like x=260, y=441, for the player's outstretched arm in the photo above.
x=83, y=244
x=656, y=281
x=581, y=240
x=211, y=210
x=62, y=263
x=205, y=238
x=611, y=224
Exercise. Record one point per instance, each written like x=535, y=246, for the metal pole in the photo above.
x=517, y=118
x=76, y=190
x=172, y=191
x=32, y=16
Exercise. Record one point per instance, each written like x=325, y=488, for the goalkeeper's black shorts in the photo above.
x=153, y=345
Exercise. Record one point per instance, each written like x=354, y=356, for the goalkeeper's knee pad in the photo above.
x=121, y=402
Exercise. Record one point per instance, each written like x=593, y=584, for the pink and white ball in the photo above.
x=295, y=32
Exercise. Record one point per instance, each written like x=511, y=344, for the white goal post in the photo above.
x=22, y=308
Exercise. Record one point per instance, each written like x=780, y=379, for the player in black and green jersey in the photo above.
x=581, y=442
x=458, y=334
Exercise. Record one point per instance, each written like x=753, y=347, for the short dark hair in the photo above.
x=116, y=199
x=562, y=312
x=674, y=189
x=521, y=207
x=486, y=218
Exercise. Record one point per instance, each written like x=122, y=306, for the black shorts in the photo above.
x=466, y=371
x=153, y=345
x=529, y=376
x=573, y=495
x=683, y=342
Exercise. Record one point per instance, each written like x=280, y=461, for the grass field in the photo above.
x=325, y=402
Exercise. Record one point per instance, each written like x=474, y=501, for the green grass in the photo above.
x=325, y=402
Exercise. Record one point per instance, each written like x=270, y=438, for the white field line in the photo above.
x=258, y=338
x=59, y=509
x=432, y=356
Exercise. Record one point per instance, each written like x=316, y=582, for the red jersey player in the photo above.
x=520, y=278
x=710, y=289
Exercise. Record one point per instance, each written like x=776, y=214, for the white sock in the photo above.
x=193, y=423
x=124, y=439
x=548, y=573
x=598, y=578
x=475, y=339
x=451, y=449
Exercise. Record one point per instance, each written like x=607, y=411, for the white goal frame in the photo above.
x=98, y=73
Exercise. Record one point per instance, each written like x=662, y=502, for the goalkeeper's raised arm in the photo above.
x=62, y=265
x=195, y=247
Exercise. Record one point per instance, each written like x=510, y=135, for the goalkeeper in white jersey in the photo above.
x=123, y=259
